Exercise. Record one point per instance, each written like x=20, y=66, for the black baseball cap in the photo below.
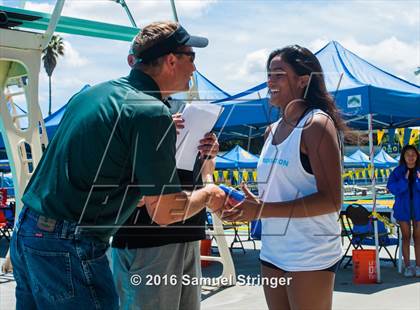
x=180, y=37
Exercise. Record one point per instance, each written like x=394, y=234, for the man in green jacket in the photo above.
x=115, y=145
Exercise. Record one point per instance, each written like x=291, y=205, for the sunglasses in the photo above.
x=191, y=54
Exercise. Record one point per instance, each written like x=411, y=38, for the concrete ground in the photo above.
x=395, y=291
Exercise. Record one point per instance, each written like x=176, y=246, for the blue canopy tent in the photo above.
x=360, y=158
x=242, y=158
x=246, y=115
x=384, y=160
x=351, y=163
x=224, y=163
x=359, y=88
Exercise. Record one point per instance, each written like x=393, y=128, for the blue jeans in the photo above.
x=56, y=267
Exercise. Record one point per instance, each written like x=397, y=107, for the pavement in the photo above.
x=394, y=292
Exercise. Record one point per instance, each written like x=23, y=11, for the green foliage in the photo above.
x=50, y=54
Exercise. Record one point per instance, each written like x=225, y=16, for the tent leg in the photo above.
x=375, y=222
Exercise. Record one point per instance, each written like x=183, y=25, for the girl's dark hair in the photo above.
x=304, y=62
x=404, y=150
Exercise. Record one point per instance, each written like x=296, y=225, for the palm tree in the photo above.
x=49, y=56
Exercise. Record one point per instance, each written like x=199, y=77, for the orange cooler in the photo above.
x=364, y=266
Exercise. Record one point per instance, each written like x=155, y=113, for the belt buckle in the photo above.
x=46, y=224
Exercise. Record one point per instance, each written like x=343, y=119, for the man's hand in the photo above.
x=209, y=146
x=217, y=200
x=245, y=211
x=178, y=121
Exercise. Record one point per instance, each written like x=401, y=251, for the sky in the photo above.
x=241, y=33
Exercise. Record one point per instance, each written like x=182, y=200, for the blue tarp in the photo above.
x=358, y=87
x=242, y=158
x=206, y=89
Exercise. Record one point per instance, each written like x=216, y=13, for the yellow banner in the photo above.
x=245, y=176
x=414, y=136
x=254, y=176
x=400, y=132
x=380, y=135
x=236, y=175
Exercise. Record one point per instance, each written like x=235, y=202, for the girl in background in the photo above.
x=404, y=183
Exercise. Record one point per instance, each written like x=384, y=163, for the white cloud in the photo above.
x=72, y=57
x=193, y=9
x=251, y=70
x=143, y=11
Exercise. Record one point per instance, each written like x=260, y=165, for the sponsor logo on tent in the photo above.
x=354, y=101
x=246, y=154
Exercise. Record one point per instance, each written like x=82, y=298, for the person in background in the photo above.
x=404, y=184
x=144, y=248
x=299, y=185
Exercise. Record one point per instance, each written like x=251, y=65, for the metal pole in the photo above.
x=127, y=10
x=174, y=10
x=375, y=222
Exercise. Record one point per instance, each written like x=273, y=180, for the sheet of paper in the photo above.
x=199, y=119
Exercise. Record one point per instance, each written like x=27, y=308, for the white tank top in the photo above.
x=294, y=244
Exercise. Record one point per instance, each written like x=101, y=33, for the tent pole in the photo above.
x=249, y=138
x=375, y=222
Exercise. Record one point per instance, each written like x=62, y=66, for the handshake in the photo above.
x=230, y=204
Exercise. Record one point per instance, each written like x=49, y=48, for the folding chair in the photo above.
x=362, y=232
x=231, y=225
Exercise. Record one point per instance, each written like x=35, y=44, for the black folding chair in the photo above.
x=361, y=232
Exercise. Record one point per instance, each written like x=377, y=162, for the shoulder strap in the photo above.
x=340, y=139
